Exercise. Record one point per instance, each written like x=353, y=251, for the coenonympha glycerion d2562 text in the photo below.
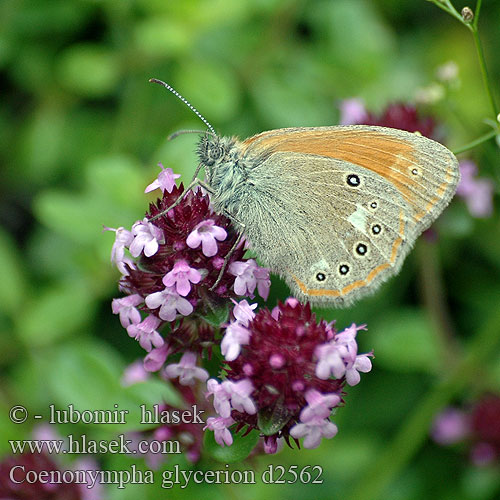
x=333, y=210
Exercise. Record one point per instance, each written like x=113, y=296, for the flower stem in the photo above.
x=415, y=431
x=484, y=71
x=489, y=135
x=435, y=302
x=447, y=6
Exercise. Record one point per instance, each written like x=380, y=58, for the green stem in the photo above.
x=434, y=300
x=448, y=7
x=484, y=71
x=476, y=14
x=476, y=142
x=415, y=431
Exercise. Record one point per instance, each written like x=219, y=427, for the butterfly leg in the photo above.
x=230, y=253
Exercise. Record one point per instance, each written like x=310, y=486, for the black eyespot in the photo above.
x=376, y=229
x=361, y=249
x=320, y=277
x=373, y=205
x=343, y=269
x=414, y=171
x=353, y=180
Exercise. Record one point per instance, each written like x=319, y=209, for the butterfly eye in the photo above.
x=209, y=150
x=215, y=152
x=321, y=277
x=343, y=269
x=353, y=180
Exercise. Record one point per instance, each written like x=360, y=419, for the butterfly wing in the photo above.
x=340, y=207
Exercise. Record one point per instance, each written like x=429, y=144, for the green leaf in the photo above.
x=87, y=376
x=272, y=420
x=219, y=95
x=43, y=149
x=112, y=195
x=10, y=430
x=285, y=99
x=120, y=180
x=217, y=317
x=239, y=450
x=57, y=311
x=76, y=217
x=163, y=36
x=13, y=287
x=495, y=373
x=404, y=340
x=88, y=69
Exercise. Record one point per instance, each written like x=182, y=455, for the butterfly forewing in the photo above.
x=347, y=204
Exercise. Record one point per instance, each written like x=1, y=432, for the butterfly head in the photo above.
x=210, y=149
x=216, y=152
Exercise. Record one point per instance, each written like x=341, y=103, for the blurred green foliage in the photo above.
x=81, y=132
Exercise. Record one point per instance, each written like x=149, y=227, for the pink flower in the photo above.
x=155, y=358
x=352, y=111
x=221, y=393
x=362, y=364
x=477, y=193
x=206, y=233
x=220, y=425
x=272, y=444
x=249, y=276
x=483, y=454
x=236, y=392
x=170, y=303
x=147, y=238
x=319, y=405
x=243, y=311
x=186, y=370
x=125, y=265
x=126, y=308
x=88, y=489
x=240, y=396
x=165, y=180
x=145, y=332
x=450, y=426
x=134, y=373
x=339, y=357
x=182, y=276
x=330, y=361
x=123, y=238
x=236, y=335
x=313, y=430
x=290, y=301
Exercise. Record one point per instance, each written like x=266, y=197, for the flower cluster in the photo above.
x=397, y=115
x=38, y=476
x=186, y=431
x=172, y=275
x=284, y=375
x=282, y=372
x=478, y=426
x=477, y=193
x=34, y=464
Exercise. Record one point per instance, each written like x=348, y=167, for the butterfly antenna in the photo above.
x=185, y=101
x=180, y=132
